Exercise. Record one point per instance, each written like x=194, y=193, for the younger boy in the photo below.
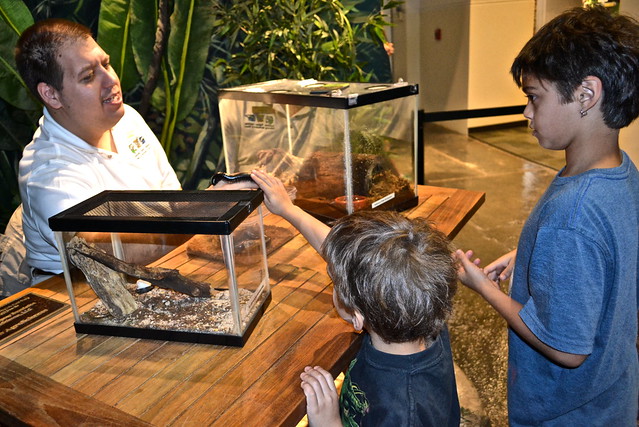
x=572, y=311
x=395, y=278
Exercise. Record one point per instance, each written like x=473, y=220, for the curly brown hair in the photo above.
x=399, y=273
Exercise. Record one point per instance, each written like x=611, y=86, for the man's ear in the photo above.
x=49, y=95
x=589, y=92
x=358, y=320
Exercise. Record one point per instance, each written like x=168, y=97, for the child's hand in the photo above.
x=502, y=267
x=470, y=274
x=322, y=401
x=276, y=198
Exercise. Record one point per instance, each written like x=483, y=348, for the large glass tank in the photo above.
x=172, y=265
x=342, y=146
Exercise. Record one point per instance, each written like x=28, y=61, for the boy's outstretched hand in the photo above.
x=275, y=195
x=322, y=401
x=470, y=274
x=278, y=202
x=502, y=268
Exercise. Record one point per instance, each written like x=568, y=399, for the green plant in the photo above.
x=264, y=40
x=18, y=109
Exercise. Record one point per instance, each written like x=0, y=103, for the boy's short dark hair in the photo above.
x=38, y=48
x=398, y=272
x=585, y=42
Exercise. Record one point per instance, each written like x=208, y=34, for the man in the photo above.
x=88, y=140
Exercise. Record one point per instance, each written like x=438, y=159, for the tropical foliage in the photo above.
x=173, y=55
x=18, y=113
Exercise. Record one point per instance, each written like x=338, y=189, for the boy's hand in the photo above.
x=278, y=202
x=322, y=401
x=470, y=274
x=502, y=267
x=276, y=197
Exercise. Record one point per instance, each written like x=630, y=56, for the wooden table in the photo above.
x=49, y=375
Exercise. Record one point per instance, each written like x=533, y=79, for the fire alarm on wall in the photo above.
x=438, y=34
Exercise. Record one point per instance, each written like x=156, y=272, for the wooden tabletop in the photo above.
x=49, y=375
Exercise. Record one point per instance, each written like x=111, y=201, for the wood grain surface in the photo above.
x=49, y=375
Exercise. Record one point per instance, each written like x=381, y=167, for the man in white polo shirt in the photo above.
x=88, y=139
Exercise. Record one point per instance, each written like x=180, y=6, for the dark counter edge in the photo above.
x=30, y=398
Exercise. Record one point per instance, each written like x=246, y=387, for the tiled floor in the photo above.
x=513, y=171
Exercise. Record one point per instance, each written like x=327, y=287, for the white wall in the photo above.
x=445, y=66
x=468, y=67
x=629, y=137
x=498, y=31
x=548, y=9
x=439, y=66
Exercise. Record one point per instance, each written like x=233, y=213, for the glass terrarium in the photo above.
x=171, y=265
x=343, y=146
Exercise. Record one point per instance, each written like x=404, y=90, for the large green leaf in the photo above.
x=114, y=36
x=16, y=15
x=143, y=27
x=15, y=18
x=188, y=47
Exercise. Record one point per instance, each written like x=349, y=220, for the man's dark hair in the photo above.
x=585, y=42
x=39, y=48
x=398, y=272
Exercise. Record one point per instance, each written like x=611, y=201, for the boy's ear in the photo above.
x=49, y=95
x=358, y=320
x=589, y=92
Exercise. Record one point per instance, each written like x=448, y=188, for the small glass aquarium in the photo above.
x=171, y=265
x=343, y=146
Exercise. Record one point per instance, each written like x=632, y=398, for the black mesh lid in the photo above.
x=319, y=94
x=178, y=212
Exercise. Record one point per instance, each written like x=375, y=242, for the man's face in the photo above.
x=91, y=98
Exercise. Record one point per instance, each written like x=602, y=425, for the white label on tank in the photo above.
x=383, y=200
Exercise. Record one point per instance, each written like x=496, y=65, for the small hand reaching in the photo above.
x=278, y=202
x=276, y=197
x=502, y=268
x=470, y=274
x=322, y=401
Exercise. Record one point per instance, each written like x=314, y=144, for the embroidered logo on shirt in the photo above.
x=138, y=147
x=259, y=121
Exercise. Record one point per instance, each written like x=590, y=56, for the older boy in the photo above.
x=395, y=278
x=88, y=139
x=573, y=307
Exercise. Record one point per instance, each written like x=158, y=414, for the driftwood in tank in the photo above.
x=158, y=276
x=108, y=284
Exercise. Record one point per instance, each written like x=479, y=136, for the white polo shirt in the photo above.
x=58, y=170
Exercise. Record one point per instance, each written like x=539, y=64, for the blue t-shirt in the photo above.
x=577, y=275
x=382, y=389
